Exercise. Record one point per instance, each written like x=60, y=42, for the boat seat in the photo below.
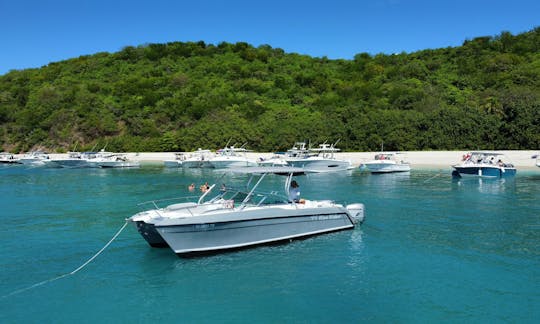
x=181, y=206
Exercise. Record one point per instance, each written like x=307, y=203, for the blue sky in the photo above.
x=37, y=32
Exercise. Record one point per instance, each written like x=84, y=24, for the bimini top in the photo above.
x=271, y=169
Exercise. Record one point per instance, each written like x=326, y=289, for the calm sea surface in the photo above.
x=432, y=249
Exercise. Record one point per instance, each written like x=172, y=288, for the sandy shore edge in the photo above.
x=418, y=159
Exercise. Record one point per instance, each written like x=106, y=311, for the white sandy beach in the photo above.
x=418, y=159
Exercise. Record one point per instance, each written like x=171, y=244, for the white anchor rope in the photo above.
x=435, y=176
x=72, y=272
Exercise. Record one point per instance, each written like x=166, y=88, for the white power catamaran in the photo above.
x=235, y=219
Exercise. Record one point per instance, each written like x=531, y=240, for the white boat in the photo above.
x=8, y=158
x=321, y=159
x=232, y=157
x=234, y=219
x=176, y=162
x=198, y=159
x=112, y=160
x=278, y=159
x=387, y=162
x=35, y=158
x=75, y=160
x=484, y=164
x=537, y=157
x=117, y=161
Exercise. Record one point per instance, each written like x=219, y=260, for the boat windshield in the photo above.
x=242, y=196
x=250, y=195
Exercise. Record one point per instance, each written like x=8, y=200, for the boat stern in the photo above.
x=357, y=212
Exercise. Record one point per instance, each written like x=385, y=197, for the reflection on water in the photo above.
x=485, y=185
x=388, y=179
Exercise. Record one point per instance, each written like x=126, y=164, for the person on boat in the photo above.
x=204, y=188
x=294, y=193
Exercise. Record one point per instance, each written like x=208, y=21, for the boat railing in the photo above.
x=244, y=198
x=226, y=197
x=167, y=202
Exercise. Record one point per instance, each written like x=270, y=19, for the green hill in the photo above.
x=484, y=94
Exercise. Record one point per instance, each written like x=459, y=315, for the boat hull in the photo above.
x=273, y=162
x=251, y=230
x=484, y=171
x=119, y=164
x=38, y=163
x=172, y=163
x=71, y=163
x=192, y=164
x=224, y=164
x=10, y=161
x=322, y=165
x=387, y=167
x=150, y=235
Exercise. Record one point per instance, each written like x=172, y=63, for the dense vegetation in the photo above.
x=484, y=94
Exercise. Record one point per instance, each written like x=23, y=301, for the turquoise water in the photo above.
x=432, y=249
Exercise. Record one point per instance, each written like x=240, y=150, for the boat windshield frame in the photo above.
x=241, y=198
x=259, y=173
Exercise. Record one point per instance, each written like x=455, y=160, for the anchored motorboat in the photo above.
x=484, y=164
x=176, y=162
x=75, y=160
x=319, y=159
x=112, y=160
x=8, y=158
x=226, y=218
x=198, y=159
x=278, y=159
x=386, y=162
x=232, y=157
x=35, y=158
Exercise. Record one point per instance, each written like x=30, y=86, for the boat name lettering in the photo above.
x=204, y=227
x=325, y=217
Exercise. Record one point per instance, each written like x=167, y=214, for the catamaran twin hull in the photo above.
x=149, y=233
x=245, y=228
x=213, y=237
x=236, y=219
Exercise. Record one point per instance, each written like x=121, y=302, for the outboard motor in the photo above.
x=357, y=212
